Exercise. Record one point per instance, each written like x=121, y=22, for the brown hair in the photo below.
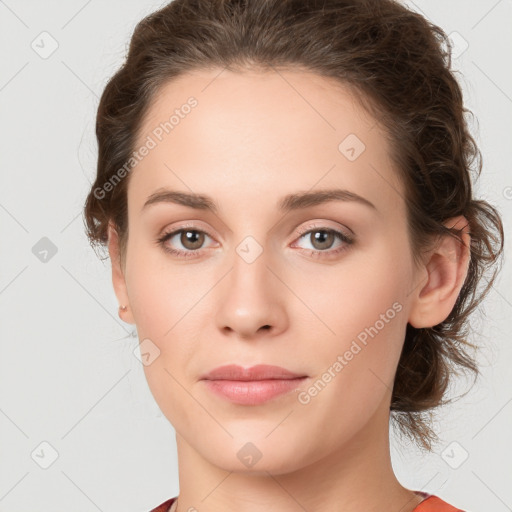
x=395, y=61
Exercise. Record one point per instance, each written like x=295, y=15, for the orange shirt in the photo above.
x=435, y=504
x=430, y=503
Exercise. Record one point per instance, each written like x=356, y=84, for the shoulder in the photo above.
x=433, y=503
x=164, y=507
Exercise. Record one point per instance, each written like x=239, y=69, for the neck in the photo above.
x=355, y=476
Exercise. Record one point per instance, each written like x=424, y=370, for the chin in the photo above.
x=254, y=455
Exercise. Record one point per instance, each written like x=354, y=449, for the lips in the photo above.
x=252, y=386
x=234, y=372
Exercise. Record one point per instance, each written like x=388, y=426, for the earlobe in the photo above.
x=118, y=278
x=442, y=277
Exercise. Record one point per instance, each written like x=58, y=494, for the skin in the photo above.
x=253, y=138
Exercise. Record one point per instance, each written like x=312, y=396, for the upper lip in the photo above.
x=258, y=372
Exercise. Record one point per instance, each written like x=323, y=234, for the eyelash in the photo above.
x=346, y=239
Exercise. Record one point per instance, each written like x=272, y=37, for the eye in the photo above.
x=190, y=239
x=323, y=238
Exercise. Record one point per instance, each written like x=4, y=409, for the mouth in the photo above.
x=252, y=386
x=257, y=372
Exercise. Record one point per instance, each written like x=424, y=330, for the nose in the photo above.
x=251, y=300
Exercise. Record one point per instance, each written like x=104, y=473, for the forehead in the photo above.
x=259, y=133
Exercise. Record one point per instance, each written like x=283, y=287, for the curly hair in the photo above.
x=398, y=65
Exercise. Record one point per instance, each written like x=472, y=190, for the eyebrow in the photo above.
x=288, y=203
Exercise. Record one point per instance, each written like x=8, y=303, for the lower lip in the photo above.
x=252, y=392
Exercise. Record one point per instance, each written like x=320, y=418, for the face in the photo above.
x=319, y=287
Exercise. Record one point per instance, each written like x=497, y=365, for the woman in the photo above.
x=284, y=188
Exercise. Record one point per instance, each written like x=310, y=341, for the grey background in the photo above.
x=68, y=376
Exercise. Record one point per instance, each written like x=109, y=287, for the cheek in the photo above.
x=344, y=299
x=359, y=321
x=165, y=309
x=359, y=358
x=156, y=289
x=168, y=306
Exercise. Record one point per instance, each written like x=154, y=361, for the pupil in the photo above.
x=321, y=236
x=193, y=238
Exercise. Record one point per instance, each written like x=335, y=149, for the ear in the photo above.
x=118, y=279
x=441, y=277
